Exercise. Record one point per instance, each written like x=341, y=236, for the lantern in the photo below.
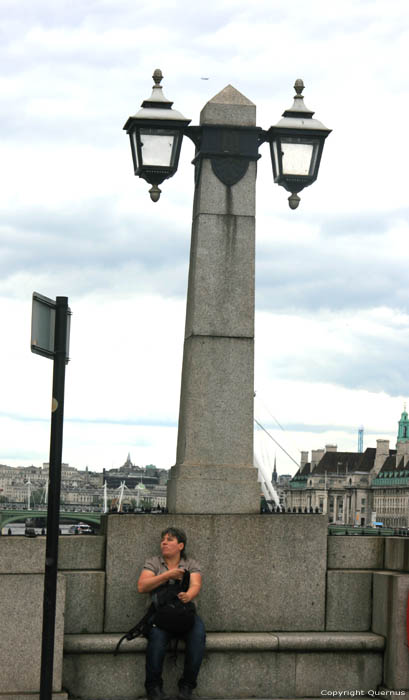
x=156, y=134
x=296, y=144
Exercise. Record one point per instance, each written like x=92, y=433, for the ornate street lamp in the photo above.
x=215, y=435
x=296, y=144
x=156, y=134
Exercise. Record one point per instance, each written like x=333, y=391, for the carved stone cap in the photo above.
x=229, y=107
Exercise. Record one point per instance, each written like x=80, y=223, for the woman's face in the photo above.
x=170, y=546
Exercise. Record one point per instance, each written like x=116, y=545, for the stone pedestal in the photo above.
x=260, y=572
x=214, y=470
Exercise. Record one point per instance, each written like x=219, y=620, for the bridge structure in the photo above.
x=10, y=516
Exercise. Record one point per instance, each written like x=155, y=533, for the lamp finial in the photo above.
x=155, y=193
x=157, y=76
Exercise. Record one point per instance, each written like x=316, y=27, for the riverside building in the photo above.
x=356, y=488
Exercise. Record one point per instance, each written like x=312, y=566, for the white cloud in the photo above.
x=75, y=221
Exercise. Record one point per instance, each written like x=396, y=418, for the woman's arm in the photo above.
x=148, y=581
x=194, y=588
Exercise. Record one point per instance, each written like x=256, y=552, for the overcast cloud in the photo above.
x=331, y=288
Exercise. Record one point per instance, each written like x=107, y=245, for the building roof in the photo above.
x=339, y=463
x=347, y=463
x=392, y=464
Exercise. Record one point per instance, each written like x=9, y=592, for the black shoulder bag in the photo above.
x=166, y=612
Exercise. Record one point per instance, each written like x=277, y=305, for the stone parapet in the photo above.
x=390, y=601
x=397, y=553
x=84, y=608
x=26, y=555
x=349, y=600
x=21, y=629
x=366, y=552
x=81, y=552
x=31, y=696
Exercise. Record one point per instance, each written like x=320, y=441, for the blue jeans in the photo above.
x=155, y=654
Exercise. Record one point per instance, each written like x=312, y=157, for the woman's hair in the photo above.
x=180, y=536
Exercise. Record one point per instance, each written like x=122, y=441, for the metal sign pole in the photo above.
x=51, y=557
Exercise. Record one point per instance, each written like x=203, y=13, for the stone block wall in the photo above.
x=391, y=596
x=351, y=564
x=80, y=605
x=263, y=574
x=22, y=588
x=368, y=588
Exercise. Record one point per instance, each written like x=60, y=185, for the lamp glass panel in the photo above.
x=157, y=148
x=276, y=166
x=297, y=158
x=135, y=148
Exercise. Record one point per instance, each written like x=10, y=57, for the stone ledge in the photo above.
x=238, y=641
x=330, y=641
x=26, y=555
x=31, y=696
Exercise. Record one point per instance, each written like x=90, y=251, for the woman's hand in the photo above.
x=194, y=588
x=148, y=581
x=175, y=574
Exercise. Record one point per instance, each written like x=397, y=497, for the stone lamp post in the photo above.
x=214, y=470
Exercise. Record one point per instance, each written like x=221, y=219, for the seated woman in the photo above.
x=158, y=570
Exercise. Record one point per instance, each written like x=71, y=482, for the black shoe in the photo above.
x=156, y=693
x=185, y=692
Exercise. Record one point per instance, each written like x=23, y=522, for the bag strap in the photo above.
x=137, y=630
x=185, y=583
x=176, y=588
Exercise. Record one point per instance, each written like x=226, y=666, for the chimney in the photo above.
x=316, y=456
x=304, y=459
x=331, y=448
x=382, y=453
x=402, y=450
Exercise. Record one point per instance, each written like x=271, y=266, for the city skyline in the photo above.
x=332, y=313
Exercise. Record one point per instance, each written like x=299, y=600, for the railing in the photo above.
x=272, y=509
x=372, y=531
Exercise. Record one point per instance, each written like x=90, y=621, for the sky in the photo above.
x=332, y=309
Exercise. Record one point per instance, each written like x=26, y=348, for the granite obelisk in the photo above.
x=214, y=470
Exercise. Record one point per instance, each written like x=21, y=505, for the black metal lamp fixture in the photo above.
x=296, y=144
x=156, y=134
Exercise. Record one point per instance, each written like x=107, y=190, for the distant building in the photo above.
x=356, y=488
x=391, y=481
x=133, y=475
x=84, y=488
x=281, y=486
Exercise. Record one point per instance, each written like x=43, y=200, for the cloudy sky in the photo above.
x=332, y=323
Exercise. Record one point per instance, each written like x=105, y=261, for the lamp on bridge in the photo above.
x=156, y=134
x=296, y=144
x=214, y=470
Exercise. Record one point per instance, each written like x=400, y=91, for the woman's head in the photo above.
x=179, y=535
